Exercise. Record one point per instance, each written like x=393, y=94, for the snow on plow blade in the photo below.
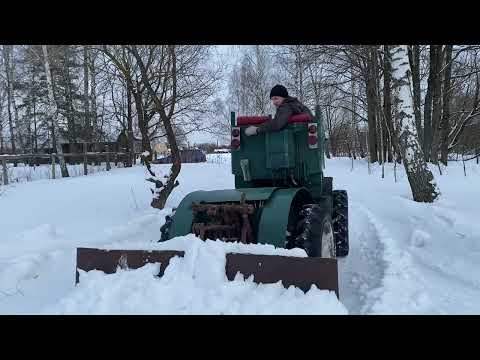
x=302, y=272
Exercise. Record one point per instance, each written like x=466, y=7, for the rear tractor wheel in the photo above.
x=314, y=232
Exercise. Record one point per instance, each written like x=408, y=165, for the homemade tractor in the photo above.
x=280, y=198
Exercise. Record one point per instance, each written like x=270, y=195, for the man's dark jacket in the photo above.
x=290, y=106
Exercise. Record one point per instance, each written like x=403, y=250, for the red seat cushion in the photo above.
x=256, y=120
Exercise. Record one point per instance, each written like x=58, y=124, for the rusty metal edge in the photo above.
x=109, y=260
x=302, y=272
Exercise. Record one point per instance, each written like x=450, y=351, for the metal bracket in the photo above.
x=245, y=165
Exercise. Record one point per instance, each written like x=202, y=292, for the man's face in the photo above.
x=277, y=100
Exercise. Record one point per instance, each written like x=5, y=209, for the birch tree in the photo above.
x=8, y=73
x=52, y=112
x=422, y=183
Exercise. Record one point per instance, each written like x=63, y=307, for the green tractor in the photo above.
x=280, y=198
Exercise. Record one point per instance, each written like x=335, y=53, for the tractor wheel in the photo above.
x=340, y=222
x=327, y=185
x=165, y=228
x=315, y=232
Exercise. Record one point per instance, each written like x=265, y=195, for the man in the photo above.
x=286, y=107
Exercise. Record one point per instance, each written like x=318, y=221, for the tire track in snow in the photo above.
x=395, y=295
x=362, y=271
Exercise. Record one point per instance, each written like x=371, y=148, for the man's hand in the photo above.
x=251, y=130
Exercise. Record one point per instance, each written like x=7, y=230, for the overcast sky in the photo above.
x=226, y=55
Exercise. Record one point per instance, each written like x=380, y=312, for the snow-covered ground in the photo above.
x=24, y=173
x=405, y=258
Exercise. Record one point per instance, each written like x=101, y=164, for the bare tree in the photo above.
x=10, y=102
x=469, y=92
x=446, y=104
x=52, y=112
x=164, y=106
x=2, y=102
x=86, y=96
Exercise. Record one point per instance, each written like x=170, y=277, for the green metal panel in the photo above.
x=182, y=221
x=277, y=155
x=280, y=150
x=274, y=219
x=321, y=135
x=253, y=149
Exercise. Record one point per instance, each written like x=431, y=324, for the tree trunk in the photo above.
x=378, y=108
x=14, y=105
x=427, y=117
x=446, y=105
x=414, y=59
x=93, y=100
x=419, y=176
x=86, y=102
x=35, y=130
x=1, y=133
x=142, y=124
x=52, y=112
x=6, y=56
x=353, y=120
x=72, y=132
x=387, y=104
x=327, y=148
x=371, y=101
x=160, y=201
x=437, y=105
x=131, y=148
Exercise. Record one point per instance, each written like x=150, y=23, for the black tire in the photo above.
x=165, y=228
x=315, y=231
x=327, y=185
x=340, y=222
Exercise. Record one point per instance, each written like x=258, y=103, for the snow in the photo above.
x=405, y=257
x=194, y=284
x=408, y=257
x=25, y=173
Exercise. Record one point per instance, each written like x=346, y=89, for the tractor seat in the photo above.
x=255, y=120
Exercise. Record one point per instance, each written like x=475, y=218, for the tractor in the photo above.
x=280, y=198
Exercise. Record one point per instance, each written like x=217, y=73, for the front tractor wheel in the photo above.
x=340, y=222
x=315, y=232
x=165, y=228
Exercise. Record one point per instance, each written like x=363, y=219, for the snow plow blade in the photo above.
x=109, y=261
x=302, y=272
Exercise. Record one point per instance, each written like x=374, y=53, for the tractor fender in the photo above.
x=182, y=221
x=275, y=215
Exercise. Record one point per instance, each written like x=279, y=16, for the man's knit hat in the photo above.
x=279, y=90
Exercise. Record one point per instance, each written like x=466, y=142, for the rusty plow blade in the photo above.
x=302, y=272
x=109, y=261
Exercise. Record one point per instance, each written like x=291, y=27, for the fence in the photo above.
x=109, y=156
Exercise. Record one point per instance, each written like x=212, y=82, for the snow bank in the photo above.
x=195, y=284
